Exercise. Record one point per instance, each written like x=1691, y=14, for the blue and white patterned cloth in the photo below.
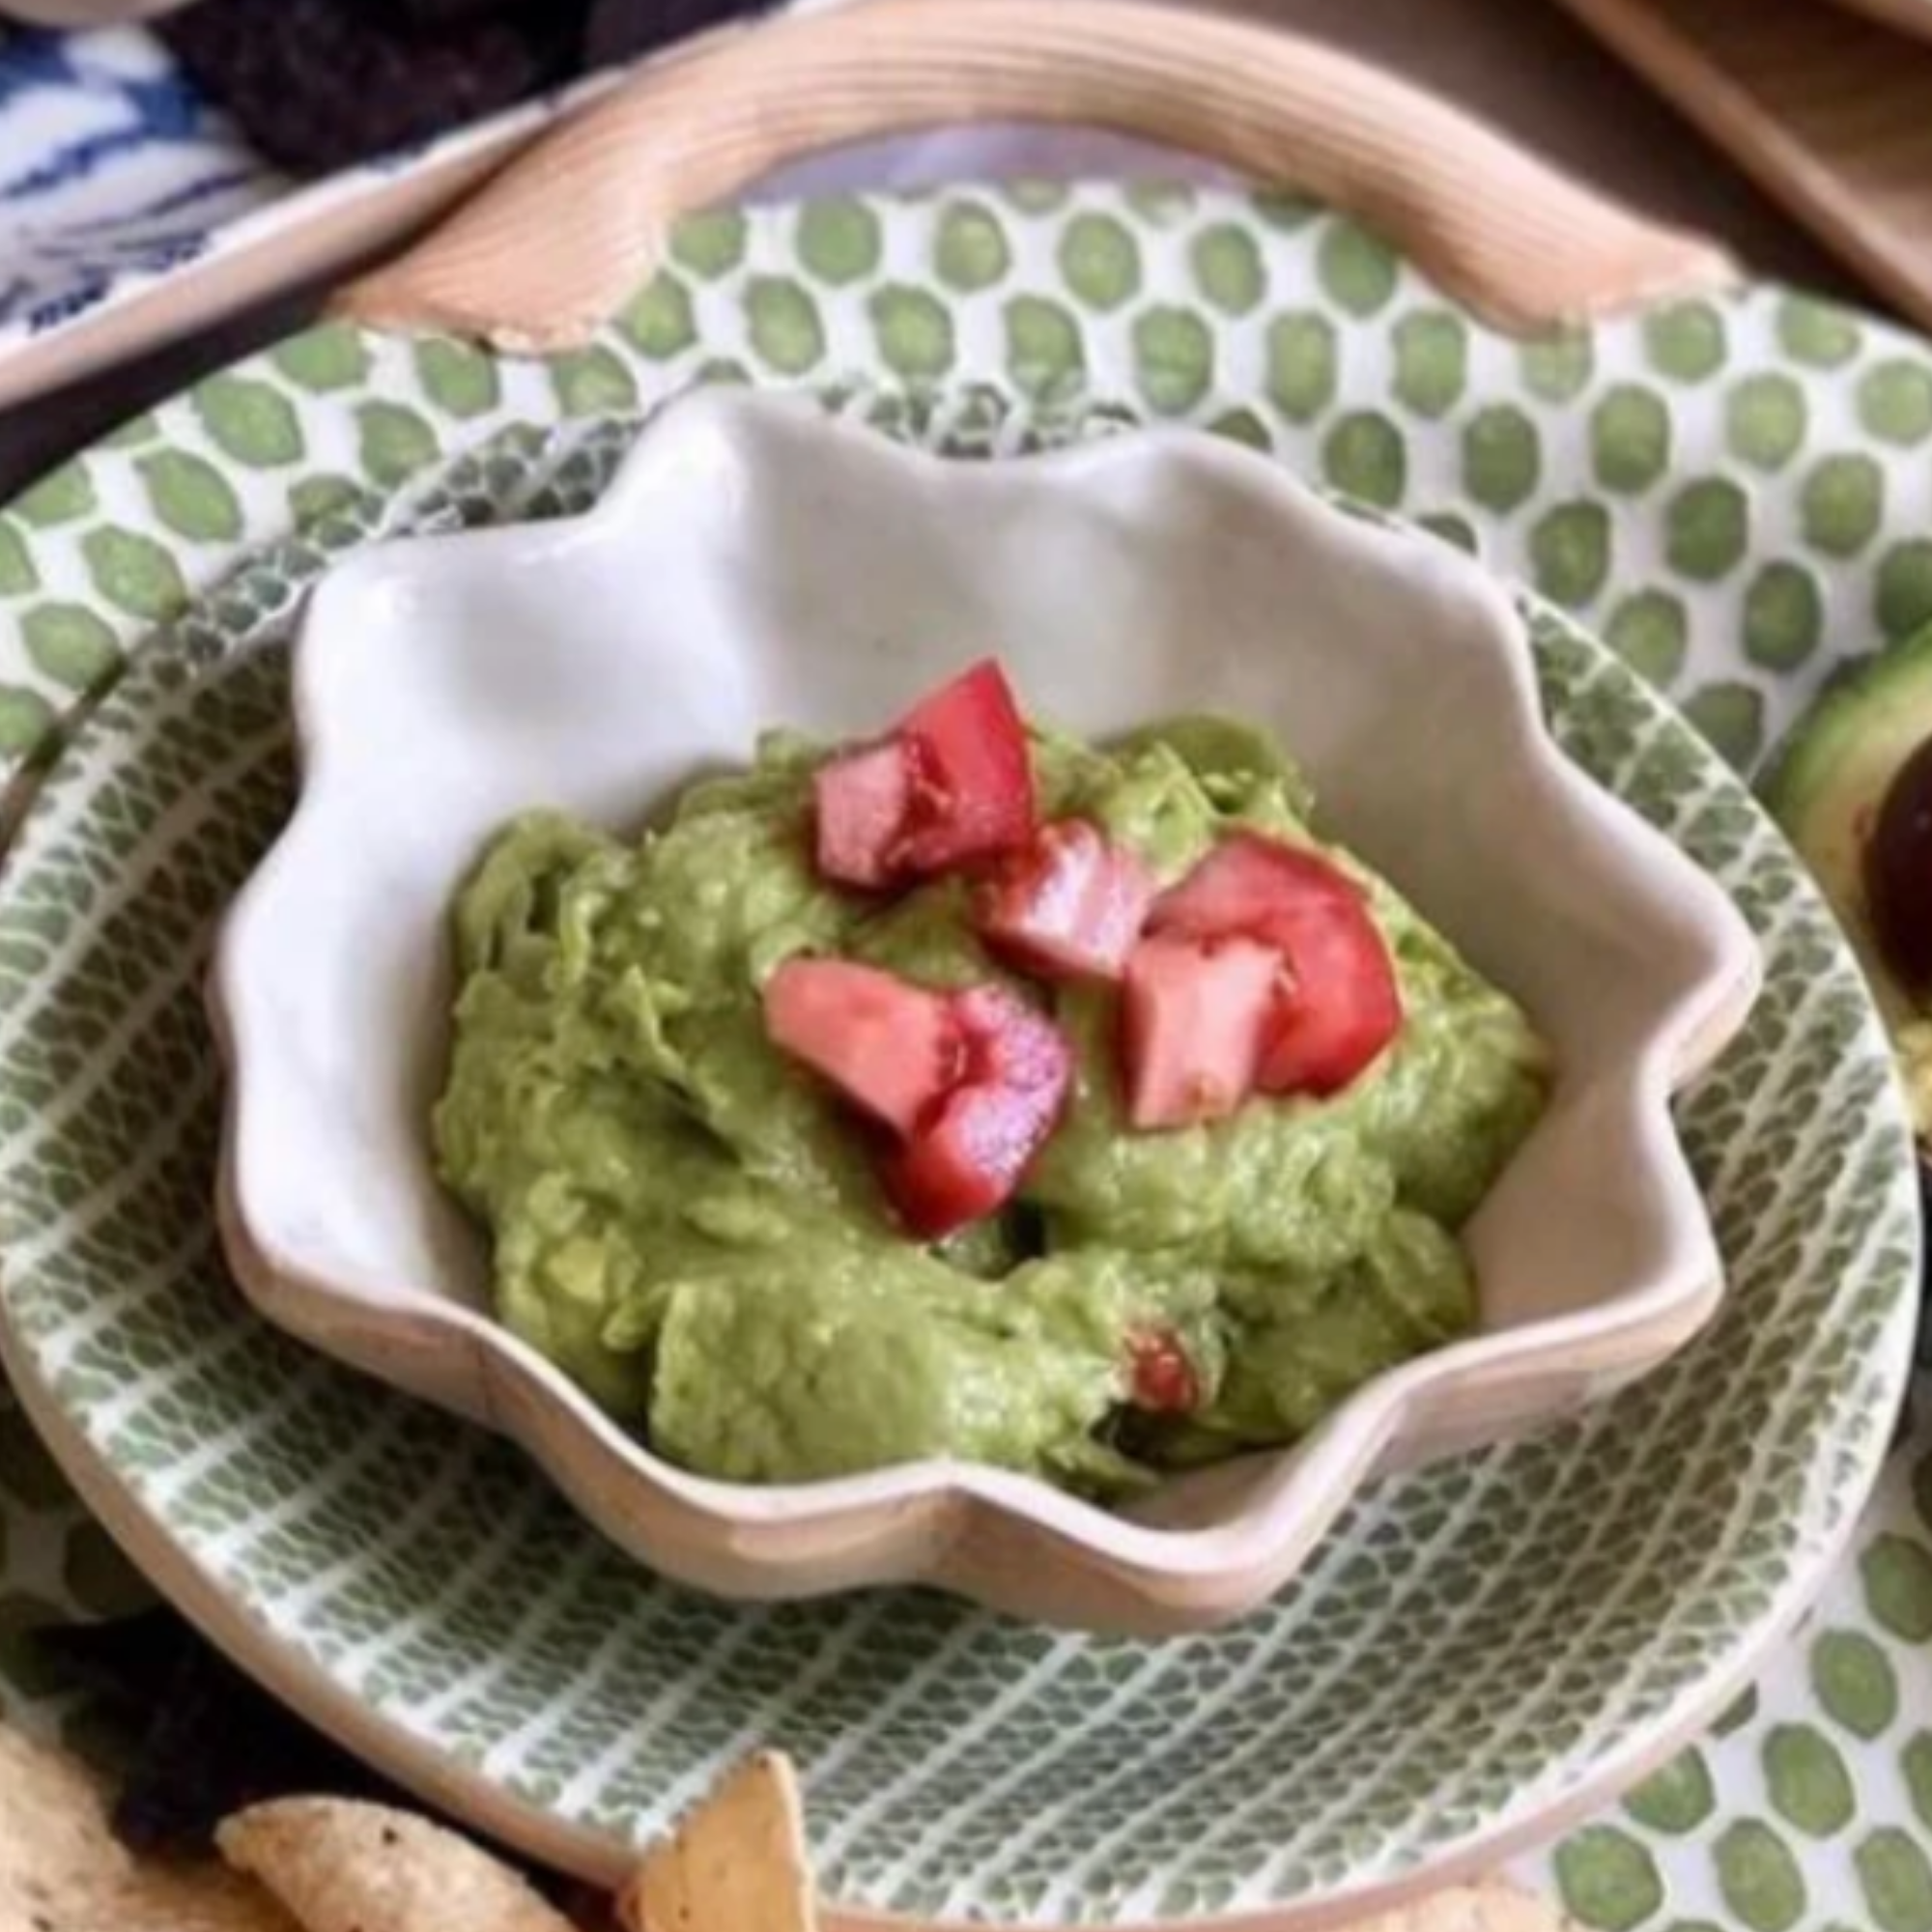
x=114, y=170
x=110, y=163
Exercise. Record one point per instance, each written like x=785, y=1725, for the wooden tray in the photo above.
x=1825, y=107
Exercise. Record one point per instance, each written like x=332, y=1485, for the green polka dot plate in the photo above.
x=1732, y=492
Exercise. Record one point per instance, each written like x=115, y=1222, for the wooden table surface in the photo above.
x=1521, y=62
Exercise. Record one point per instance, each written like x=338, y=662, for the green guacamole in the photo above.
x=689, y=1225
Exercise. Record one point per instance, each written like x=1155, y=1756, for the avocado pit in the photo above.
x=1898, y=874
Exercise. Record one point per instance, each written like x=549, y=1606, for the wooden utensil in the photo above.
x=550, y=249
x=1826, y=109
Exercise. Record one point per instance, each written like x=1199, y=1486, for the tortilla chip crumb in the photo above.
x=738, y=1864
x=340, y=1865
x=1490, y=1907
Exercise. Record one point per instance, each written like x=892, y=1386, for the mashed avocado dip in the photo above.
x=689, y=1225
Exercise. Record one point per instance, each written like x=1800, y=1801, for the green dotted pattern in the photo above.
x=1731, y=491
x=1758, y=459
x=1815, y=1809
x=54, y=1564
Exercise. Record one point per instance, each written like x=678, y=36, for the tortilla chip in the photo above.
x=341, y=1865
x=738, y=1864
x=63, y=1870
x=1481, y=1908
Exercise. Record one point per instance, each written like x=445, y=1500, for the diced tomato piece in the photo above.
x=968, y=1155
x=1161, y=1380
x=1011, y=1043
x=1246, y=884
x=889, y=1047
x=1069, y=906
x=1339, y=1003
x=1193, y=1016
x=1341, y=1008
x=861, y=801
x=966, y=1164
x=971, y=1083
x=952, y=784
x=973, y=793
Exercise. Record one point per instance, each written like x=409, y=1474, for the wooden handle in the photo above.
x=551, y=248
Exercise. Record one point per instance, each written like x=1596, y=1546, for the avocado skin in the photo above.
x=1834, y=775
x=1831, y=778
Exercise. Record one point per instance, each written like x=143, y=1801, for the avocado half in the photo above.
x=1829, y=791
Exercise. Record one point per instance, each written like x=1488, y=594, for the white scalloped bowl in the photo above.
x=756, y=563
